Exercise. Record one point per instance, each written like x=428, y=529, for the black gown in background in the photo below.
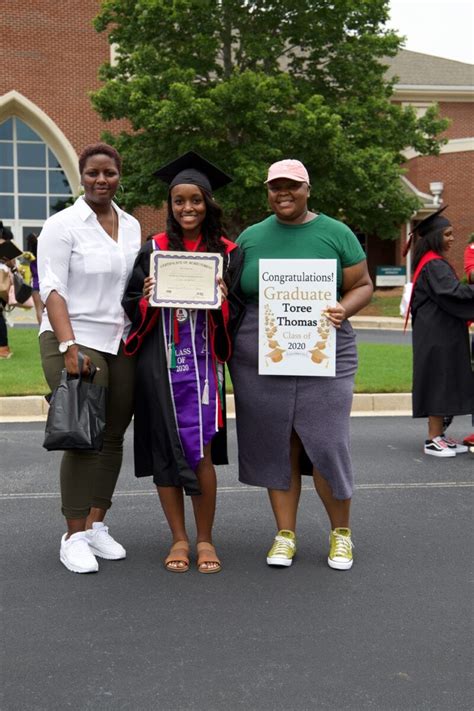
x=443, y=380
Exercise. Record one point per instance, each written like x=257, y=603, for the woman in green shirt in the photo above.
x=289, y=425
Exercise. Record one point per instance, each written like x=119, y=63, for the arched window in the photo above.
x=33, y=185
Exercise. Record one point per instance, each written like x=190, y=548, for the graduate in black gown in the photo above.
x=179, y=424
x=441, y=306
x=469, y=271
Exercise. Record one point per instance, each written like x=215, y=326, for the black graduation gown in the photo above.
x=157, y=448
x=443, y=380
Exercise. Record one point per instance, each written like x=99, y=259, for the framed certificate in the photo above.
x=295, y=336
x=186, y=279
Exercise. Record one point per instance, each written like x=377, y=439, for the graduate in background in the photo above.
x=443, y=381
x=469, y=270
x=5, y=265
x=179, y=421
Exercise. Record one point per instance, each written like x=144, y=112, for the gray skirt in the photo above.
x=269, y=407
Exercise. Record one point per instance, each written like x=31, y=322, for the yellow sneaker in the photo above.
x=283, y=549
x=340, y=551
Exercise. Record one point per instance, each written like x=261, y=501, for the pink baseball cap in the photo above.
x=288, y=168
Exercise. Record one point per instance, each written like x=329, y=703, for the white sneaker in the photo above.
x=455, y=445
x=437, y=447
x=102, y=544
x=76, y=555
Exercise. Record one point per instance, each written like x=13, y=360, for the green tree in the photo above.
x=247, y=83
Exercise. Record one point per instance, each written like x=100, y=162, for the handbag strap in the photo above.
x=93, y=368
x=80, y=361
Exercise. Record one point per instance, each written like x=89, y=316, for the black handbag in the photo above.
x=76, y=417
x=22, y=291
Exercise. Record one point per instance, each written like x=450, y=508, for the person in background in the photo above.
x=443, y=381
x=179, y=423
x=469, y=260
x=5, y=232
x=293, y=425
x=469, y=270
x=32, y=248
x=85, y=256
x=5, y=351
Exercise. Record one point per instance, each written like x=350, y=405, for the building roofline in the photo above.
x=427, y=199
x=433, y=94
x=436, y=87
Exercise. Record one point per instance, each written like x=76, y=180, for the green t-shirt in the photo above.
x=321, y=238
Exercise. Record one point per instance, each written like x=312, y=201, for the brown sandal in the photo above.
x=207, y=554
x=179, y=555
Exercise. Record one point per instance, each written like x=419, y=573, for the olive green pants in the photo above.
x=88, y=479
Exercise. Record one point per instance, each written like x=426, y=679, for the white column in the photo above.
x=408, y=257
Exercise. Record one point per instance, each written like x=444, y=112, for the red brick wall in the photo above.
x=462, y=119
x=50, y=53
x=456, y=170
x=152, y=221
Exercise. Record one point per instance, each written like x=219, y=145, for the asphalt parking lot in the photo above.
x=392, y=634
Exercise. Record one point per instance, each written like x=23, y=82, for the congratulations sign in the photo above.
x=295, y=336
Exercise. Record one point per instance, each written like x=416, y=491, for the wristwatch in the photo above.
x=64, y=345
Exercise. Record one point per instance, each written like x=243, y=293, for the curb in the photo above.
x=26, y=408
x=26, y=317
x=34, y=408
x=382, y=323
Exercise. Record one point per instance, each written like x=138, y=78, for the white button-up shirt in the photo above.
x=78, y=259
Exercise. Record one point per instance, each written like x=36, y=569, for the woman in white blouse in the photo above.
x=85, y=256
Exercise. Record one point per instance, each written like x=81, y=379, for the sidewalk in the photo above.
x=21, y=316
x=384, y=323
x=33, y=408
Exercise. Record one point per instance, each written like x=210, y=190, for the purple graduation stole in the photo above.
x=192, y=380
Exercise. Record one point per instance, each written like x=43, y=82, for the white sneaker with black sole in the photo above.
x=437, y=447
x=76, y=555
x=102, y=544
x=455, y=446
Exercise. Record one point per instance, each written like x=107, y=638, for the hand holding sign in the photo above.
x=297, y=315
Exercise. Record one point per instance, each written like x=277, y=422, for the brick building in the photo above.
x=50, y=55
x=446, y=179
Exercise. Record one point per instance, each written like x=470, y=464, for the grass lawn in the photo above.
x=22, y=374
x=385, y=302
x=382, y=368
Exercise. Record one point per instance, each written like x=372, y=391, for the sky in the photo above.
x=444, y=28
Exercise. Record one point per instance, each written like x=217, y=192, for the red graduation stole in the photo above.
x=428, y=257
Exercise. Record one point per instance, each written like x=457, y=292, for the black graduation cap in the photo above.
x=430, y=224
x=193, y=169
